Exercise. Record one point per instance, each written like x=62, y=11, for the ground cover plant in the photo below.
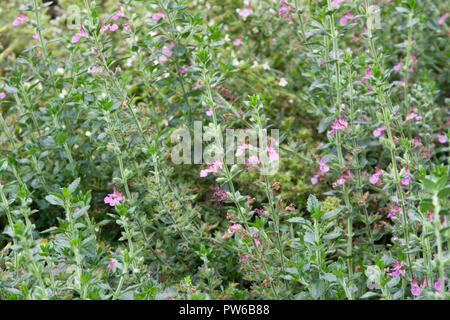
x=115, y=179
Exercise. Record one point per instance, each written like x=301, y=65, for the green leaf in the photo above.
x=74, y=185
x=52, y=199
x=312, y=204
x=444, y=193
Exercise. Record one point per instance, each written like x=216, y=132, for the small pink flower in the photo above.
x=36, y=36
x=375, y=177
x=119, y=13
x=379, y=132
x=77, y=36
x=238, y=42
x=345, y=18
x=2, y=95
x=405, y=181
x=315, y=178
x=109, y=27
x=21, y=18
x=111, y=264
x=241, y=149
x=437, y=284
x=398, y=66
x=415, y=289
x=95, y=69
x=244, y=13
x=209, y=112
x=323, y=167
x=158, y=15
x=253, y=159
x=367, y=74
x=273, y=154
x=257, y=243
x=413, y=114
x=167, y=51
x=235, y=227
x=441, y=138
x=285, y=8
x=336, y=2
x=181, y=70
x=397, y=270
x=339, y=124
x=441, y=20
x=395, y=209
x=423, y=283
x=211, y=168
x=114, y=198
x=345, y=177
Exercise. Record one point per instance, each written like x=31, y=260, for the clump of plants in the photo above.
x=99, y=101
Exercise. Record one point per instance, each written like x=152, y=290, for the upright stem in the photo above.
x=437, y=232
x=337, y=69
x=207, y=84
x=384, y=100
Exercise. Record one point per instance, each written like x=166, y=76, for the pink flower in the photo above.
x=441, y=20
x=244, y=13
x=395, y=209
x=285, y=8
x=181, y=70
x=2, y=95
x=339, y=124
x=111, y=264
x=345, y=177
x=114, y=198
x=167, y=51
x=77, y=36
x=437, y=284
x=315, y=178
x=238, y=41
x=94, y=69
x=441, y=138
x=36, y=36
x=405, y=181
x=345, y=18
x=367, y=73
x=241, y=149
x=336, y=2
x=253, y=159
x=235, y=227
x=412, y=114
x=21, y=18
x=211, y=168
x=398, y=66
x=416, y=140
x=374, y=178
x=323, y=167
x=397, y=270
x=415, y=289
x=109, y=27
x=423, y=283
x=257, y=243
x=118, y=14
x=219, y=195
x=273, y=154
x=379, y=132
x=209, y=112
x=158, y=15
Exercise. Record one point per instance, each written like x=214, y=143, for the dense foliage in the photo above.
x=92, y=205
